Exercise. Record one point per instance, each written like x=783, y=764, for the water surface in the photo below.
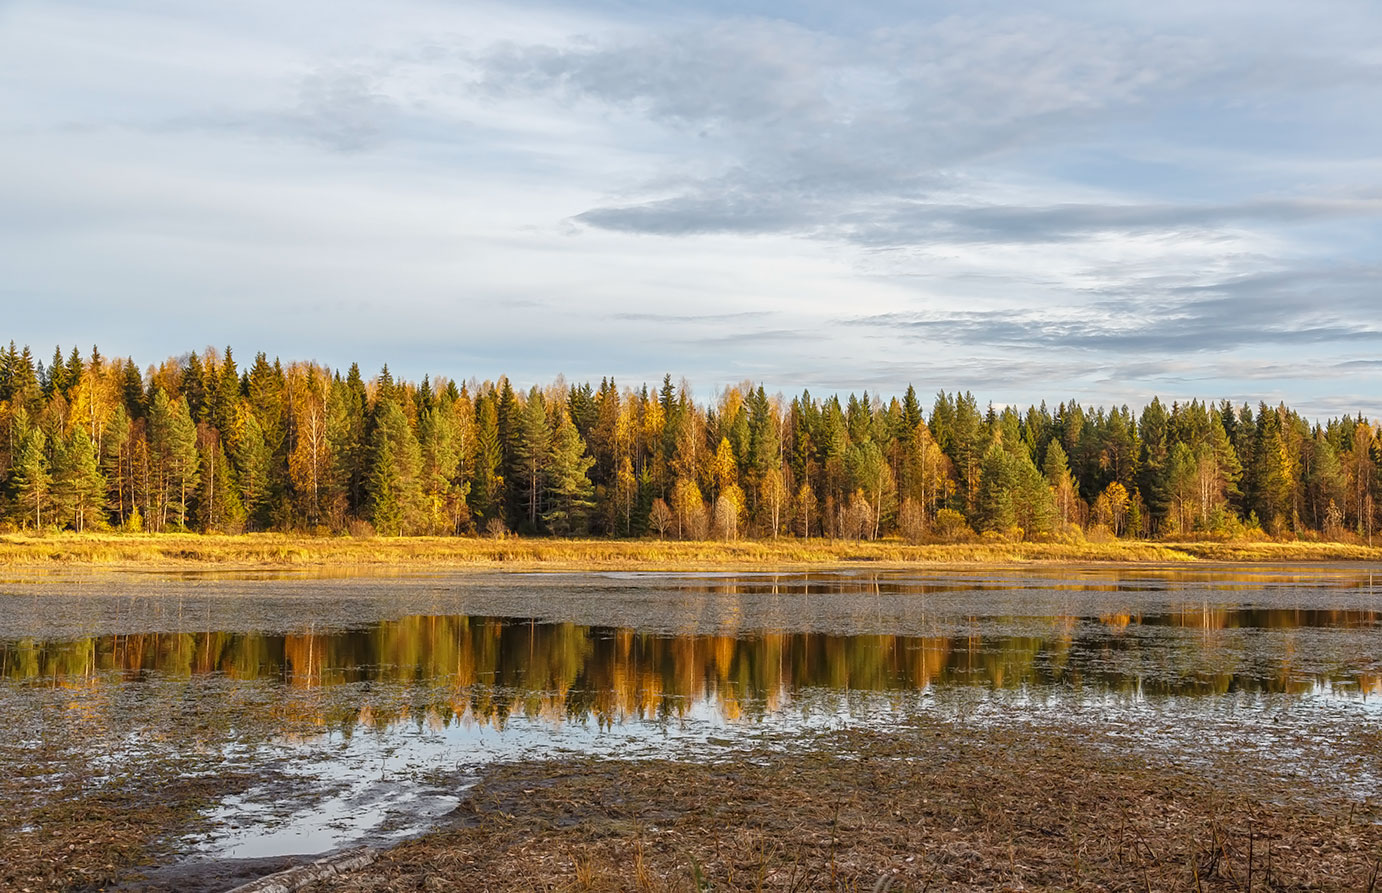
x=380, y=696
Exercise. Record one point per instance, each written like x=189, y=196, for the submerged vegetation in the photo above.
x=198, y=445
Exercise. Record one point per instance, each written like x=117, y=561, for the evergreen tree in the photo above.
x=533, y=452
x=173, y=440
x=1034, y=502
x=869, y=472
x=1057, y=471
x=194, y=388
x=253, y=465
x=219, y=509
x=1180, y=489
x=1154, y=476
x=441, y=461
x=1326, y=485
x=395, y=490
x=224, y=398
x=79, y=488
x=995, y=508
x=1274, y=472
x=569, y=490
x=30, y=480
x=510, y=434
x=116, y=463
x=487, y=482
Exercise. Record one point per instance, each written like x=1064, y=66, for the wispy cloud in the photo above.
x=1112, y=200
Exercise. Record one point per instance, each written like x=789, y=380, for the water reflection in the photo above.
x=490, y=668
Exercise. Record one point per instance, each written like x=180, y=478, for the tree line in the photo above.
x=199, y=444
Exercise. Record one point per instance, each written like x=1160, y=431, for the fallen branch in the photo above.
x=300, y=876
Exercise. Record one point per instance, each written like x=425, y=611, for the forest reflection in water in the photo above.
x=489, y=669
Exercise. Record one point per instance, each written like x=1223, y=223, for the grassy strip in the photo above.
x=926, y=807
x=280, y=550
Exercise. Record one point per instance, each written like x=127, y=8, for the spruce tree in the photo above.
x=994, y=508
x=487, y=482
x=253, y=464
x=569, y=490
x=395, y=492
x=441, y=458
x=533, y=452
x=219, y=507
x=30, y=479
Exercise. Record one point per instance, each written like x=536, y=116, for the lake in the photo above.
x=366, y=703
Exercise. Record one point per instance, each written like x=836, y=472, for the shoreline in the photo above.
x=183, y=552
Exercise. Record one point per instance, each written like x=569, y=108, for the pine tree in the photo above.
x=870, y=473
x=1180, y=491
x=1326, y=484
x=1034, y=502
x=116, y=462
x=79, y=488
x=510, y=435
x=173, y=440
x=132, y=391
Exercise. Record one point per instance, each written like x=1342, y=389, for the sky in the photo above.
x=1101, y=201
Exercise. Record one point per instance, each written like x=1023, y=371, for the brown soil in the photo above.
x=928, y=807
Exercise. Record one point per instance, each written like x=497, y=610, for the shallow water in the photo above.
x=375, y=699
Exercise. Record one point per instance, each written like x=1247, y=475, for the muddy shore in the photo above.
x=926, y=806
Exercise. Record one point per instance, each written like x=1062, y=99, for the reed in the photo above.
x=274, y=550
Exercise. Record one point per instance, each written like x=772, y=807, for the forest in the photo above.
x=199, y=444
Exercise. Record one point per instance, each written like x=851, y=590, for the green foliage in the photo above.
x=79, y=487
x=570, y=492
x=173, y=441
x=199, y=444
x=532, y=451
x=395, y=491
x=29, y=479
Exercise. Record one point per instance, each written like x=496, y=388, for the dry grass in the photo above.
x=288, y=551
x=924, y=808
x=63, y=829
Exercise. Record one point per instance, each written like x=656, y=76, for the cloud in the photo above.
x=1106, y=200
x=341, y=109
x=871, y=138
x=1282, y=309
